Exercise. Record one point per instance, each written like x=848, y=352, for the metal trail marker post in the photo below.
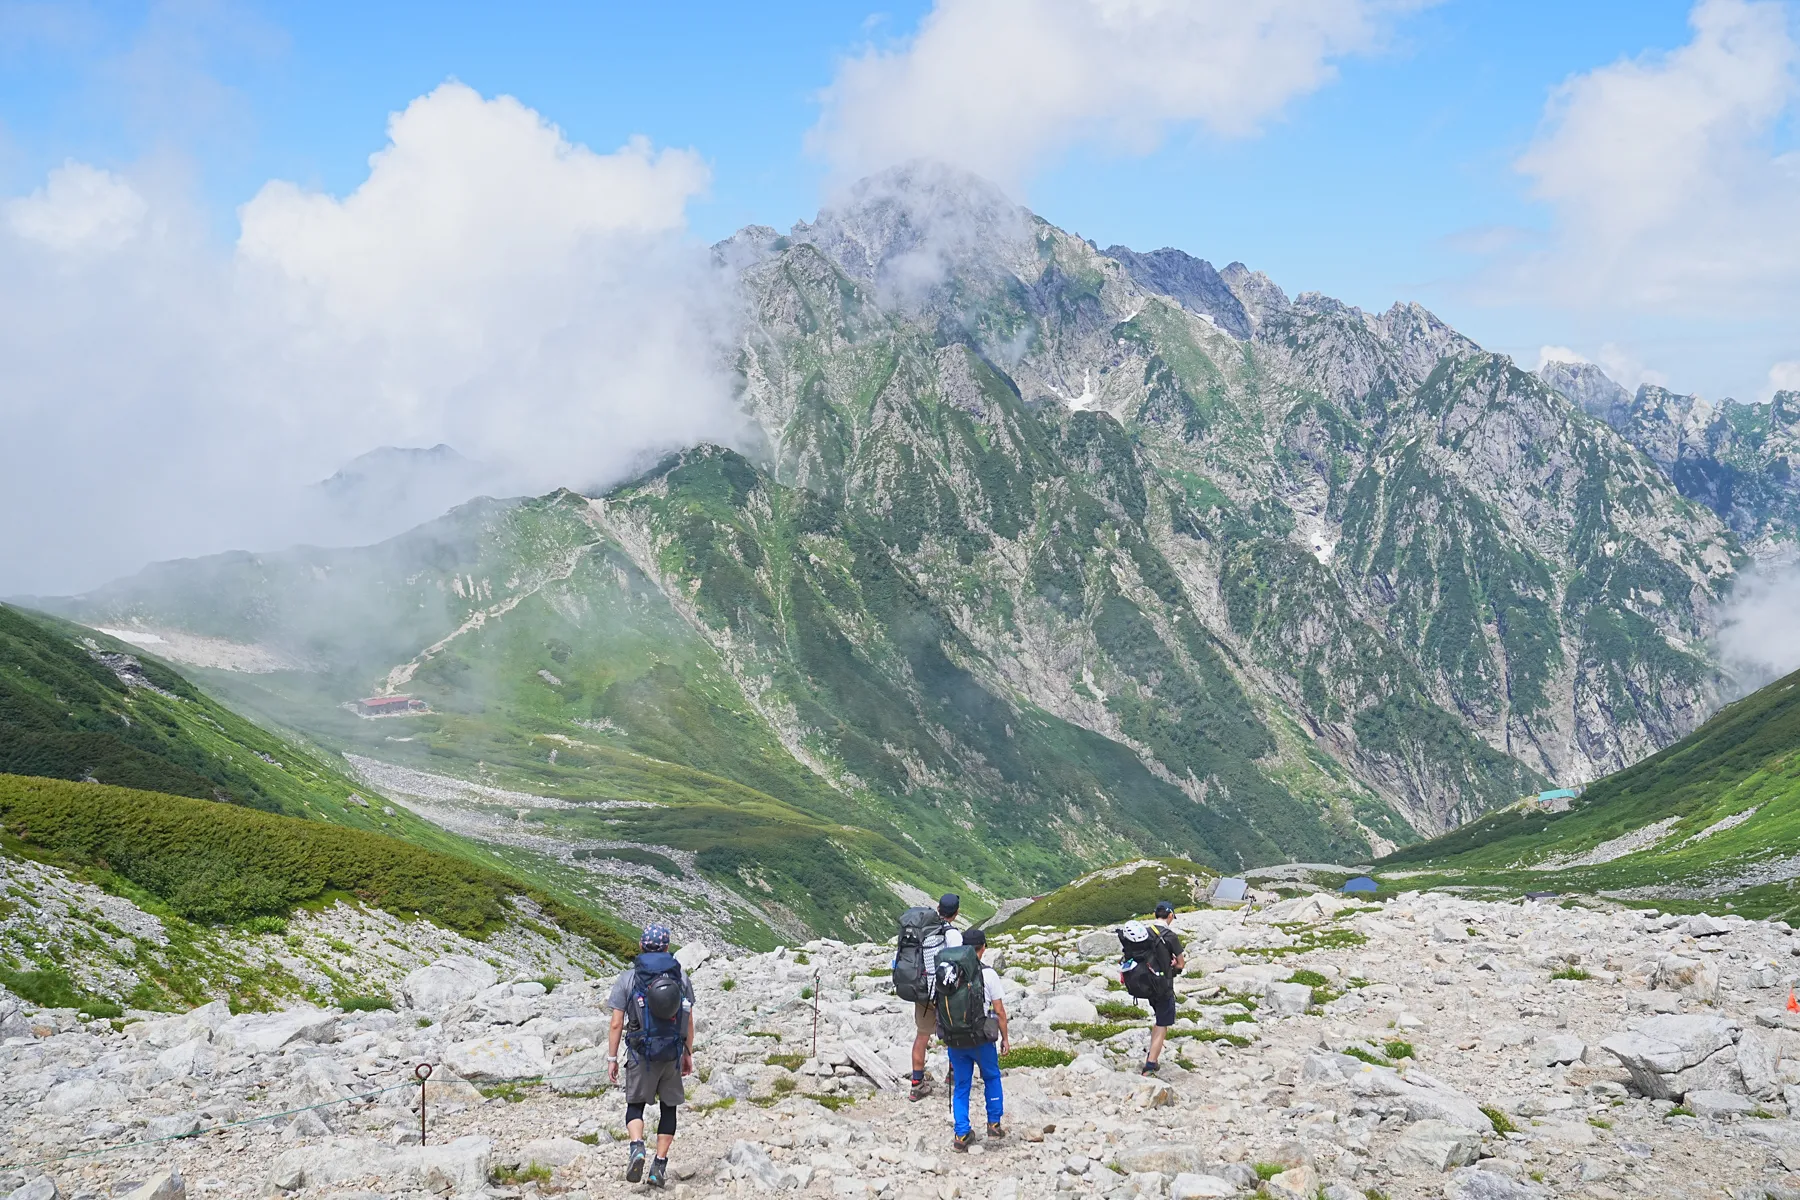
x=817, y=976
x=422, y=1072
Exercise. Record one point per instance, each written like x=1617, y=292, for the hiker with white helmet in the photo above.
x=1152, y=957
x=652, y=1005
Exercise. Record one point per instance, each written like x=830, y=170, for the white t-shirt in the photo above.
x=992, y=986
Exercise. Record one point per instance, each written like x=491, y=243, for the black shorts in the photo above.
x=1162, y=1008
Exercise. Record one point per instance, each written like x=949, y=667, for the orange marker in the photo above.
x=1793, y=1004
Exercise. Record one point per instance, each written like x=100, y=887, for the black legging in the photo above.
x=665, y=1125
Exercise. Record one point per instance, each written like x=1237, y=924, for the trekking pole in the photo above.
x=422, y=1072
x=817, y=975
x=1055, y=959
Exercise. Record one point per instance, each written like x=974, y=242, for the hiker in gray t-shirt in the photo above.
x=652, y=1004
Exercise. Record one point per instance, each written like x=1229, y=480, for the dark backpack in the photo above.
x=1144, y=965
x=659, y=1004
x=962, y=1005
x=921, y=941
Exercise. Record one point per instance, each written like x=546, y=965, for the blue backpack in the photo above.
x=658, y=1003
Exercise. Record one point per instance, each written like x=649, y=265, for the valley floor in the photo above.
x=1431, y=1046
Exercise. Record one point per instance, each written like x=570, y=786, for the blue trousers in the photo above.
x=963, y=1064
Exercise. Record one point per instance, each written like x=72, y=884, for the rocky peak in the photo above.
x=1592, y=390
x=909, y=228
x=1261, y=297
x=1191, y=282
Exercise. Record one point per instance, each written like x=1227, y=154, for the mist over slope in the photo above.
x=1048, y=557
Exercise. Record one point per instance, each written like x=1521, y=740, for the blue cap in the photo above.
x=1164, y=909
x=656, y=937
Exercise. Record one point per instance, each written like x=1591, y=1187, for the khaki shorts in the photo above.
x=654, y=1082
x=924, y=1017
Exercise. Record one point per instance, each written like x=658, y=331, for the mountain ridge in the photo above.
x=1024, y=531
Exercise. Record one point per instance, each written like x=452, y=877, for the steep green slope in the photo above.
x=77, y=705
x=195, y=865
x=1716, y=814
x=1117, y=893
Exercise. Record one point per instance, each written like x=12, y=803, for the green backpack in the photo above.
x=962, y=1008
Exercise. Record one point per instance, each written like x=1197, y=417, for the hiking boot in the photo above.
x=1149, y=1068
x=960, y=1143
x=920, y=1090
x=634, y=1170
x=994, y=1131
x=659, y=1171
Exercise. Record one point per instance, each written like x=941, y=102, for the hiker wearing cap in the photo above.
x=1162, y=998
x=652, y=1005
x=971, y=1018
x=924, y=933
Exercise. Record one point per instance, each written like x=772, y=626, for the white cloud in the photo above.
x=1001, y=86
x=1561, y=354
x=79, y=208
x=1783, y=377
x=533, y=303
x=1759, y=637
x=1658, y=171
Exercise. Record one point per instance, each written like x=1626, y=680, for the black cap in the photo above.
x=948, y=904
x=975, y=937
x=1164, y=909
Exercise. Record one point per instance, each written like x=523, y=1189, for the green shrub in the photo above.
x=1398, y=1050
x=218, y=863
x=1097, y=1032
x=1036, y=1056
x=267, y=924
x=726, y=985
x=1309, y=978
x=787, y=1062
x=1501, y=1122
x=1364, y=1055
x=365, y=1004
x=1570, y=973
x=1266, y=1171
x=51, y=987
x=806, y=993
x=1114, y=1010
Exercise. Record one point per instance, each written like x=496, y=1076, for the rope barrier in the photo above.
x=417, y=1082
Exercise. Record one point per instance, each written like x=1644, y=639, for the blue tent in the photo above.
x=1362, y=883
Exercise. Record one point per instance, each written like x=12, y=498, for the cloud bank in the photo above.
x=532, y=302
x=1001, y=87
x=1759, y=635
x=1665, y=189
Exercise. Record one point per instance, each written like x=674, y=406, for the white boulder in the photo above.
x=450, y=980
x=265, y=1033
x=498, y=1059
x=1069, y=1007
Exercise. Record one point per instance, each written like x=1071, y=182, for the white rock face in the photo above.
x=498, y=1059
x=1670, y=1055
x=1287, y=999
x=447, y=981
x=460, y=1167
x=1439, y=1146
x=1067, y=1006
x=692, y=955
x=262, y=1033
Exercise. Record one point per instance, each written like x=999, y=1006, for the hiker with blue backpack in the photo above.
x=971, y=1020
x=652, y=1004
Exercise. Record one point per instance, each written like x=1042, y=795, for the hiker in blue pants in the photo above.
x=984, y=1055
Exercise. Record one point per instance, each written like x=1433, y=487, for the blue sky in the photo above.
x=1371, y=187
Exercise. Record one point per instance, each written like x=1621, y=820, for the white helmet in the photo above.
x=1136, y=931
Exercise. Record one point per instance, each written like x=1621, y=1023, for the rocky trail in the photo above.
x=1430, y=1046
